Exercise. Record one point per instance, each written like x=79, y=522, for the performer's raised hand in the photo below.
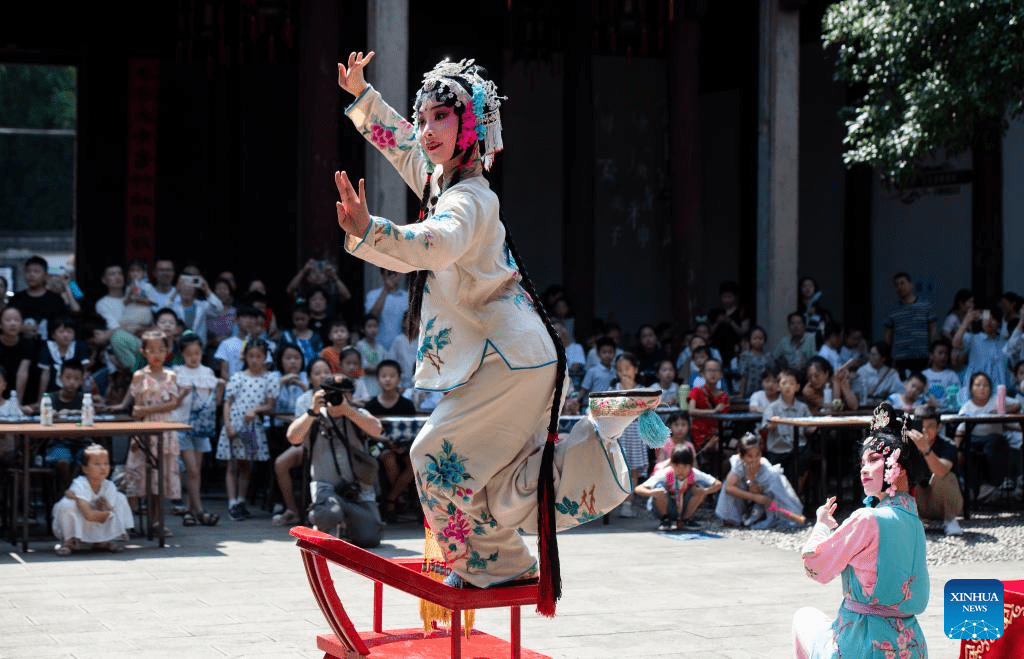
x=353, y=217
x=351, y=78
x=826, y=511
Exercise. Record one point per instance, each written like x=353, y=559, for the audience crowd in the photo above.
x=303, y=391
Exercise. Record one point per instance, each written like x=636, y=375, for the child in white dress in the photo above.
x=250, y=392
x=92, y=512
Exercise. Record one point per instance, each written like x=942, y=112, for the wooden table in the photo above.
x=854, y=420
x=63, y=430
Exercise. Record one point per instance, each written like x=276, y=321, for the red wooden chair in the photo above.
x=319, y=548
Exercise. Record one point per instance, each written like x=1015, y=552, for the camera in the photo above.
x=334, y=390
x=348, y=491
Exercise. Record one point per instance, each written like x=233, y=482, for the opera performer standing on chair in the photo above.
x=486, y=462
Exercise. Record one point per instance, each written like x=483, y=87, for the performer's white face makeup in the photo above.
x=872, y=471
x=439, y=131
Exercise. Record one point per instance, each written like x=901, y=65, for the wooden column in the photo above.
x=387, y=34
x=778, y=161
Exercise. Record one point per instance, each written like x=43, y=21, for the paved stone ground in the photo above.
x=239, y=590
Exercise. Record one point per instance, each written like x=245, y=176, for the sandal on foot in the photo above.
x=156, y=531
x=113, y=546
x=62, y=549
x=189, y=519
x=208, y=519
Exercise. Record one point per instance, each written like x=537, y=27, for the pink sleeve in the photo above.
x=854, y=543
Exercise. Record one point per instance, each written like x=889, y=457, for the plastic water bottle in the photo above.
x=684, y=396
x=46, y=410
x=88, y=411
x=1001, y=399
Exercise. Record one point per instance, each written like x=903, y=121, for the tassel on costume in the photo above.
x=547, y=543
x=653, y=430
x=435, y=567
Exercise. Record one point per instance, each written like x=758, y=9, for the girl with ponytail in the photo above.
x=486, y=462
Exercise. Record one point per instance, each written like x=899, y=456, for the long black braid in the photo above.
x=419, y=277
x=531, y=290
x=547, y=541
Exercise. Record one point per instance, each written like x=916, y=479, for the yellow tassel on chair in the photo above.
x=434, y=566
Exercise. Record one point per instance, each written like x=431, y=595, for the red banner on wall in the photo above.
x=140, y=187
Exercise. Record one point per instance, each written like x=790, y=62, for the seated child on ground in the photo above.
x=92, y=512
x=677, y=490
x=752, y=487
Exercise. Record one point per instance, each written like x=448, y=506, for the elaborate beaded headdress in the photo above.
x=888, y=436
x=462, y=85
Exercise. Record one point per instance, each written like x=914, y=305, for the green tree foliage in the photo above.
x=928, y=74
x=36, y=171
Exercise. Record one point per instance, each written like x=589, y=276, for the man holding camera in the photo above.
x=342, y=472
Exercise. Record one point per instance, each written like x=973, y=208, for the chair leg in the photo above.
x=514, y=635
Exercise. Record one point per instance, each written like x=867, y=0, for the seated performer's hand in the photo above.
x=826, y=511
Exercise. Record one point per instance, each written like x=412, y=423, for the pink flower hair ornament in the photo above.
x=893, y=471
x=467, y=136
